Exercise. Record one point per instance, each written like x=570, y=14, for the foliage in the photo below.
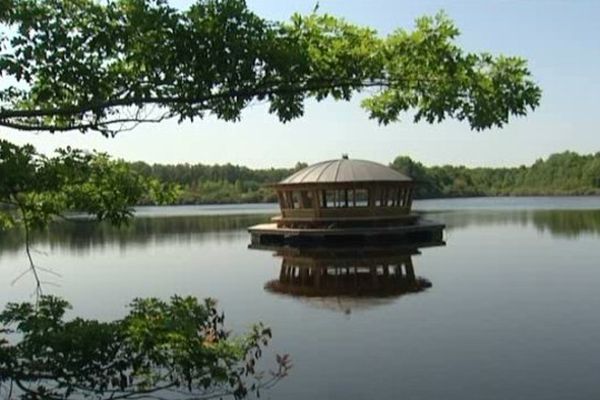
x=41, y=188
x=212, y=184
x=89, y=65
x=566, y=173
x=177, y=349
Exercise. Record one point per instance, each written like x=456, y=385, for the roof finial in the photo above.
x=344, y=156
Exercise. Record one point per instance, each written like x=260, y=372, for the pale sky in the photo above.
x=560, y=38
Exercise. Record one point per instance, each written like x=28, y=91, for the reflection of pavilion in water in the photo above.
x=346, y=277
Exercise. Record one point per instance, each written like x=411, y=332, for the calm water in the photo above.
x=513, y=311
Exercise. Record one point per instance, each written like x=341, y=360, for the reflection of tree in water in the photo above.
x=82, y=235
x=570, y=223
x=347, y=278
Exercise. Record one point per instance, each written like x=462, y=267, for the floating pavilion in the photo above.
x=345, y=200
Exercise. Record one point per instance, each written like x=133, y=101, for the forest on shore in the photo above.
x=566, y=173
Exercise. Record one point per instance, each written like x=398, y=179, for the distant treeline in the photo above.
x=565, y=173
x=214, y=184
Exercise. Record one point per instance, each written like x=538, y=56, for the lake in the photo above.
x=510, y=308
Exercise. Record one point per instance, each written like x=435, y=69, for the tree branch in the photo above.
x=259, y=91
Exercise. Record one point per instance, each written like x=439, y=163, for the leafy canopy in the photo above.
x=177, y=350
x=105, y=66
x=565, y=173
x=40, y=188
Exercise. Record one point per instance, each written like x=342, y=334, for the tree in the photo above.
x=90, y=66
x=426, y=185
x=177, y=350
x=561, y=173
x=34, y=189
x=85, y=65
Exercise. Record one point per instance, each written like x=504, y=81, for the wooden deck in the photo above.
x=421, y=230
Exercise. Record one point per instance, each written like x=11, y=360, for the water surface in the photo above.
x=512, y=311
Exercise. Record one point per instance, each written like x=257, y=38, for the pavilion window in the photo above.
x=360, y=198
x=330, y=198
x=392, y=195
x=289, y=200
x=306, y=199
x=380, y=197
x=296, y=199
x=341, y=198
x=401, y=196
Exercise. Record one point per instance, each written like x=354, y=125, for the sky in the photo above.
x=559, y=38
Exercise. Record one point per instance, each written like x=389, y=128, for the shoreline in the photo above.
x=513, y=196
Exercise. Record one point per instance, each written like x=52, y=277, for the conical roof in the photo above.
x=345, y=170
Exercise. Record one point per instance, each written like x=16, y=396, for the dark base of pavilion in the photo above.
x=418, y=232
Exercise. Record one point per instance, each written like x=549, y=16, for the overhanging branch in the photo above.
x=289, y=89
